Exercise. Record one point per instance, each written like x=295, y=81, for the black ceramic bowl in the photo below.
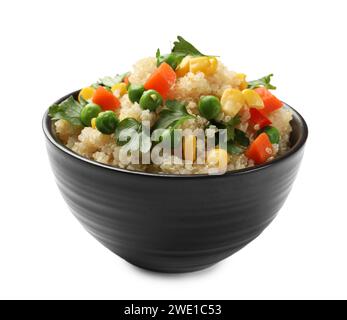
x=174, y=223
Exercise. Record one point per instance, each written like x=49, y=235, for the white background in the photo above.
x=50, y=48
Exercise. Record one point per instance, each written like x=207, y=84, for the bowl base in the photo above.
x=170, y=271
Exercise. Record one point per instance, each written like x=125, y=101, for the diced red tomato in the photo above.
x=258, y=118
x=161, y=80
x=271, y=103
x=105, y=99
x=260, y=149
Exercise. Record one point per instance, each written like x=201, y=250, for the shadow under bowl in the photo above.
x=174, y=223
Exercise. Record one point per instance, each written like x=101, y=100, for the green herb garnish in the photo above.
x=229, y=126
x=241, y=138
x=95, y=85
x=238, y=144
x=262, y=82
x=111, y=81
x=173, y=115
x=124, y=128
x=233, y=148
x=182, y=46
x=69, y=110
x=129, y=132
x=173, y=59
x=180, y=50
x=237, y=140
x=82, y=101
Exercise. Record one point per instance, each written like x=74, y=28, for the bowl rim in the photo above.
x=47, y=128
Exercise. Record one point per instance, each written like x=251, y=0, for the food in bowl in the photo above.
x=159, y=213
x=179, y=113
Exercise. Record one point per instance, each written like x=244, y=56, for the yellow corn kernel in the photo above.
x=121, y=89
x=253, y=99
x=207, y=65
x=217, y=158
x=189, y=148
x=93, y=122
x=86, y=93
x=183, y=67
x=232, y=101
x=242, y=78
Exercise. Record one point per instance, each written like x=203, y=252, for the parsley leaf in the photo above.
x=238, y=143
x=82, y=101
x=68, y=110
x=180, y=50
x=237, y=140
x=111, y=81
x=124, y=128
x=129, y=133
x=95, y=85
x=262, y=82
x=172, y=59
x=229, y=126
x=173, y=115
x=234, y=121
x=241, y=138
x=232, y=148
x=183, y=46
x=157, y=55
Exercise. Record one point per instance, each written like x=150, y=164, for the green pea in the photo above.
x=151, y=100
x=135, y=92
x=89, y=111
x=272, y=133
x=106, y=122
x=209, y=107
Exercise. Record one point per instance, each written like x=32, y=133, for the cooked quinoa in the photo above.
x=242, y=107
